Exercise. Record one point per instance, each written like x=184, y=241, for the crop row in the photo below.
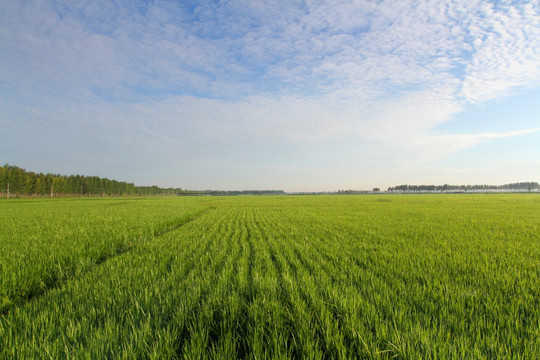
x=43, y=243
x=306, y=277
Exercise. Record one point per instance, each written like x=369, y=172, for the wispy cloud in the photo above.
x=213, y=80
x=505, y=47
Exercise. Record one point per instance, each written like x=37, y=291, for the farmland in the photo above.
x=378, y=276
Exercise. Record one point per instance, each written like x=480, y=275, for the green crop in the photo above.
x=45, y=242
x=399, y=276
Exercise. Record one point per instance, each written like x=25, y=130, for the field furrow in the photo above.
x=58, y=245
x=284, y=277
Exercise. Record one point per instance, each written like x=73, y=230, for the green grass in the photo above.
x=322, y=277
x=45, y=242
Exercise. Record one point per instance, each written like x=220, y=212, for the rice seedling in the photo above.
x=413, y=276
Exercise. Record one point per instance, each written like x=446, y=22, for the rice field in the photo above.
x=318, y=277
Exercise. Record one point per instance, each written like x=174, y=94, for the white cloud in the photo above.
x=215, y=80
x=505, y=50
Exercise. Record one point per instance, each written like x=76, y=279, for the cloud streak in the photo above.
x=212, y=80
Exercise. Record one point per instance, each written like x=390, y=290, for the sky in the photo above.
x=291, y=95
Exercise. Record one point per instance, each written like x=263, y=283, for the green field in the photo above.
x=373, y=276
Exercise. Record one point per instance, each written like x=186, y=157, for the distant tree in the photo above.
x=22, y=182
x=528, y=186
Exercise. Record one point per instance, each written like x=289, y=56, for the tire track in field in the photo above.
x=303, y=274
x=248, y=329
x=318, y=248
x=330, y=327
x=183, y=254
x=352, y=284
x=329, y=324
x=196, y=253
x=57, y=280
x=287, y=346
x=301, y=342
x=207, y=293
x=234, y=326
x=325, y=301
x=188, y=268
x=248, y=299
x=232, y=279
x=242, y=287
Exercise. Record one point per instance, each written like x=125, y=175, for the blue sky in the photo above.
x=292, y=95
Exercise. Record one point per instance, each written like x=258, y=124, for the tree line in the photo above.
x=522, y=186
x=15, y=181
x=230, y=192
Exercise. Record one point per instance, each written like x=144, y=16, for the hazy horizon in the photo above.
x=293, y=96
